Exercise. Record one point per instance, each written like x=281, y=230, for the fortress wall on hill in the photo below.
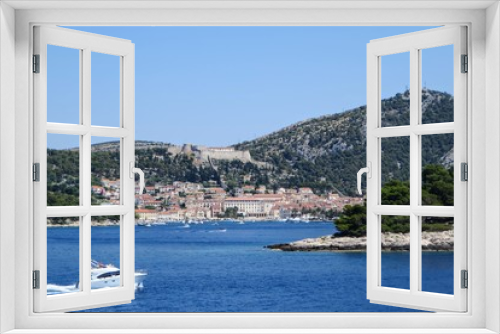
x=226, y=155
x=203, y=153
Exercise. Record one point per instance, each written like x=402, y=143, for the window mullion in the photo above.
x=414, y=170
x=85, y=253
x=418, y=169
x=85, y=170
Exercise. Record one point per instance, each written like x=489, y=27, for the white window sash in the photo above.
x=414, y=297
x=86, y=43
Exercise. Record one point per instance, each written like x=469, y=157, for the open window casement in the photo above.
x=414, y=136
x=81, y=287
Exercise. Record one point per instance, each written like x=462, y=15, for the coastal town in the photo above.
x=186, y=201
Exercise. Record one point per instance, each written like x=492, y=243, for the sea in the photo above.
x=224, y=267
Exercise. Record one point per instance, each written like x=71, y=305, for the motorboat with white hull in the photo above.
x=108, y=276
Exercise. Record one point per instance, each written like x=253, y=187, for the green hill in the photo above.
x=326, y=153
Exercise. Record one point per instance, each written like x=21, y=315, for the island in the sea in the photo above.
x=431, y=241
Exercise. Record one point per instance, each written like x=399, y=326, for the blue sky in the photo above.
x=218, y=86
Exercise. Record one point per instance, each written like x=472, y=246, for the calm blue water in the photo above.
x=224, y=268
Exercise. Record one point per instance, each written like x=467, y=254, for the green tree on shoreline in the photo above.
x=437, y=189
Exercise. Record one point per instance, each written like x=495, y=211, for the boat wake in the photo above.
x=54, y=289
x=218, y=231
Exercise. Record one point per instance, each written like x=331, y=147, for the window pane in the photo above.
x=437, y=254
x=105, y=90
x=63, y=255
x=63, y=170
x=105, y=272
x=395, y=93
x=437, y=169
x=106, y=171
x=437, y=84
x=395, y=262
x=63, y=85
x=395, y=159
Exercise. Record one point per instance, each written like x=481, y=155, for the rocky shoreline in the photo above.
x=431, y=241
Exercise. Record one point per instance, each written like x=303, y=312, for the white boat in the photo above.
x=108, y=276
x=218, y=231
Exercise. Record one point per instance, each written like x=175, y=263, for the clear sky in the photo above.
x=218, y=86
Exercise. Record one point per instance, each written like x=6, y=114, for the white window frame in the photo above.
x=86, y=44
x=484, y=265
x=413, y=44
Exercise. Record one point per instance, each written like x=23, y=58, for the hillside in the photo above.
x=327, y=152
x=323, y=153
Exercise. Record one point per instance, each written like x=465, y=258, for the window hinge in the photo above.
x=464, y=171
x=36, y=172
x=465, y=279
x=465, y=64
x=36, y=279
x=36, y=63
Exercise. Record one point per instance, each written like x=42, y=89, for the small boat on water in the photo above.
x=218, y=231
x=144, y=223
x=108, y=276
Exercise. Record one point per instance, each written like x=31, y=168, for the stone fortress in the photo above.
x=204, y=154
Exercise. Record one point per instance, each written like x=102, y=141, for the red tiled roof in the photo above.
x=144, y=211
